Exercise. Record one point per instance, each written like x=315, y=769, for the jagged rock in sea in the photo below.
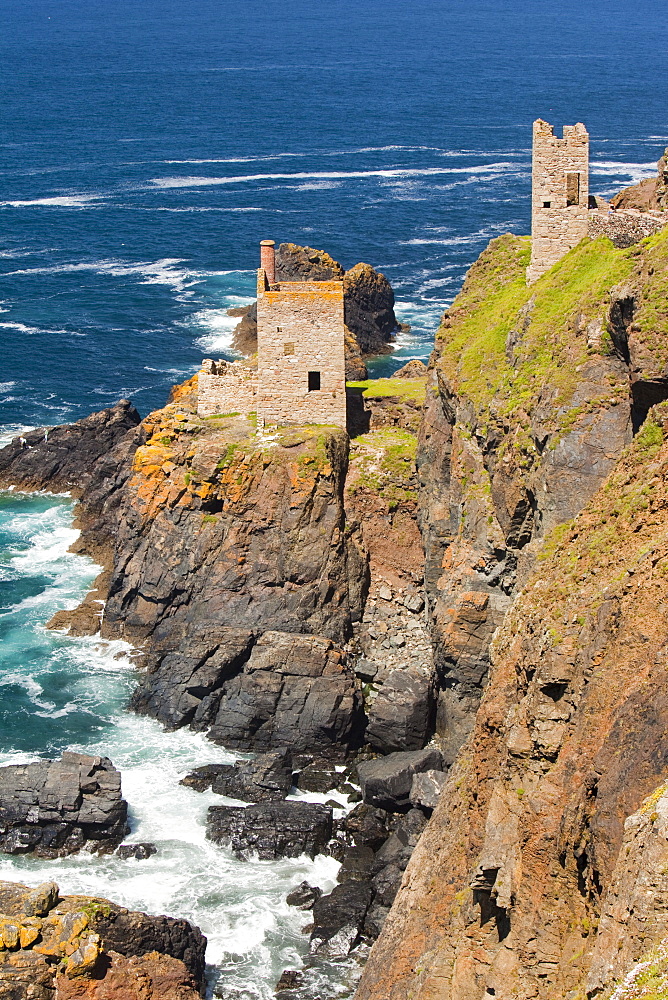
x=267, y=778
x=303, y=896
x=272, y=829
x=84, y=948
x=52, y=808
x=426, y=789
x=140, y=851
x=338, y=919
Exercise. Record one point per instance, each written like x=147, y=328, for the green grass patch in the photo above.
x=400, y=388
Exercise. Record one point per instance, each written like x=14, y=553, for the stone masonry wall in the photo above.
x=224, y=387
x=301, y=331
x=627, y=226
x=560, y=194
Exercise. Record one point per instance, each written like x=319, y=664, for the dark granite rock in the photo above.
x=139, y=851
x=366, y=826
x=63, y=458
x=294, y=691
x=374, y=920
x=402, y=714
x=54, y=808
x=273, y=829
x=203, y=777
x=318, y=776
x=369, y=308
x=426, y=788
x=268, y=778
x=290, y=980
x=303, y=896
x=386, y=782
x=356, y=864
x=338, y=919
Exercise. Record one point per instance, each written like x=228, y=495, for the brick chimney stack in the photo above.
x=268, y=260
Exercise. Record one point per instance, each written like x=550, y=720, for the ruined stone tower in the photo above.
x=301, y=371
x=300, y=339
x=559, y=196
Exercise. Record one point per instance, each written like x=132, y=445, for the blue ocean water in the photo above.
x=145, y=149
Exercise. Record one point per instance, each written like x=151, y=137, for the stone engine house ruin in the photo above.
x=300, y=376
x=562, y=210
x=559, y=194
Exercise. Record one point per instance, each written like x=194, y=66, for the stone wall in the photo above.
x=560, y=194
x=224, y=387
x=301, y=362
x=625, y=227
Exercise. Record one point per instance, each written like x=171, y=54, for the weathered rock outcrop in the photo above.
x=66, y=948
x=648, y=195
x=66, y=458
x=368, y=304
x=220, y=549
x=52, y=808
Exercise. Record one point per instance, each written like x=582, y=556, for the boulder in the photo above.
x=273, y=829
x=138, y=851
x=426, y=788
x=401, y=716
x=356, y=864
x=366, y=826
x=268, y=778
x=338, y=919
x=136, y=978
x=52, y=808
x=386, y=782
x=303, y=896
x=318, y=776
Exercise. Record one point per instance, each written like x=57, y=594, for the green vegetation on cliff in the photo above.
x=503, y=344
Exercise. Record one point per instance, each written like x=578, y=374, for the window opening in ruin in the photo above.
x=313, y=381
x=572, y=189
x=547, y=204
x=288, y=348
x=279, y=329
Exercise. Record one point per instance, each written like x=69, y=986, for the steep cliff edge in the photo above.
x=535, y=487
x=534, y=393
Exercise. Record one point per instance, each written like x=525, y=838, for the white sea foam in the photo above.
x=219, y=328
x=160, y=272
x=635, y=172
x=58, y=201
x=181, y=182
x=24, y=328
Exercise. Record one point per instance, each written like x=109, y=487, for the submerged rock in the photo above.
x=52, y=808
x=138, y=851
x=274, y=830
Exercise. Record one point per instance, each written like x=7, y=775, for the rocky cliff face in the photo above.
x=534, y=394
x=542, y=505
x=648, y=195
